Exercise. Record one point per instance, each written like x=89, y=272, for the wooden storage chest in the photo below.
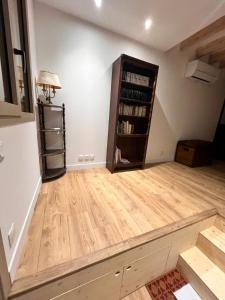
x=194, y=153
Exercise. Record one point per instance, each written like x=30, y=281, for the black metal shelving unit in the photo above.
x=51, y=173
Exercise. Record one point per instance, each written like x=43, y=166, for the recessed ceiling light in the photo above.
x=148, y=24
x=98, y=3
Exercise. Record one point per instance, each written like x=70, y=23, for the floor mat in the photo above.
x=162, y=288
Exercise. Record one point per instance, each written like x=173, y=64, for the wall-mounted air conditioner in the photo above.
x=201, y=71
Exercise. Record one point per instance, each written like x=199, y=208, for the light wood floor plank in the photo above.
x=89, y=210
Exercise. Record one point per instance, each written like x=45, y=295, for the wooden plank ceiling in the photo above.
x=209, y=45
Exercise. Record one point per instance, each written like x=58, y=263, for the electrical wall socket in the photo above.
x=11, y=235
x=86, y=157
x=81, y=157
x=92, y=157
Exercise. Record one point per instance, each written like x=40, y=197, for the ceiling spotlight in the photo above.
x=98, y=3
x=148, y=24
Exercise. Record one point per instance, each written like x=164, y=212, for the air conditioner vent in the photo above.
x=201, y=71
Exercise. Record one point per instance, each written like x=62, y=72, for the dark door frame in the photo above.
x=5, y=280
x=218, y=123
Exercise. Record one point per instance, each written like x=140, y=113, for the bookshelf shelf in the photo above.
x=54, y=173
x=134, y=101
x=53, y=152
x=135, y=85
x=132, y=135
x=52, y=106
x=52, y=121
x=131, y=116
x=52, y=130
x=120, y=166
x=130, y=112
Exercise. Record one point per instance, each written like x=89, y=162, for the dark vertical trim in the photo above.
x=64, y=134
x=6, y=50
x=218, y=124
x=24, y=40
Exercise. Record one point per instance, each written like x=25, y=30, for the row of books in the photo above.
x=132, y=110
x=135, y=78
x=125, y=127
x=134, y=94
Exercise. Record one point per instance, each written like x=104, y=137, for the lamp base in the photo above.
x=48, y=99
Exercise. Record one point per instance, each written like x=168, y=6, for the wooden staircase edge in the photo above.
x=192, y=277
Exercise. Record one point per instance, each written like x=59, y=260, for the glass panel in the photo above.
x=19, y=54
x=2, y=92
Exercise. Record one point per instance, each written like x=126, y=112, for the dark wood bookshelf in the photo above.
x=50, y=173
x=132, y=135
x=120, y=166
x=52, y=106
x=53, y=152
x=135, y=85
x=55, y=173
x=52, y=130
x=133, y=89
x=132, y=116
x=135, y=102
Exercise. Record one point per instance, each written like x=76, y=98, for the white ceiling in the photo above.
x=173, y=20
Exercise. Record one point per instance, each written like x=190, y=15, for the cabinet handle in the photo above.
x=117, y=273
x=128, y=268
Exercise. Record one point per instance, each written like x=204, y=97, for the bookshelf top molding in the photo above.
x=138, y=62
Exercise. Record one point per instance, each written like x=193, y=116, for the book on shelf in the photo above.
x=134, y=94
x=132, y=110
x=125, y=127
x=118, y=157
x=136, y=78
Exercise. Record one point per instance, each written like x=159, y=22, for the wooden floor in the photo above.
x=88, y=210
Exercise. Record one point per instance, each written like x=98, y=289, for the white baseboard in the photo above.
x=71, y=167
x=157, y=161
x=23, y=233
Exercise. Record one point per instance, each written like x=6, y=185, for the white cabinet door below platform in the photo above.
x=106, y=287
x=142, y=271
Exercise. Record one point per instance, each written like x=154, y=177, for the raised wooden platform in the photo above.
x=91, y=213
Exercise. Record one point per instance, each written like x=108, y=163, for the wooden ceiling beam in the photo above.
x=214, y=58
x=214, y=47
x=204, y=33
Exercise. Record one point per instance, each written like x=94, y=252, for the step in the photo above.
x=220, y=223
x=205, y=277
x=212, y=243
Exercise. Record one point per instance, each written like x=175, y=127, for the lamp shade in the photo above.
x=48, y=79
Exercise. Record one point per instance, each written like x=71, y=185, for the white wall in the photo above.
x=82, y=55
x=19, y=175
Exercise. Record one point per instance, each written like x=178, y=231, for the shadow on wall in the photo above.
x=165, y=141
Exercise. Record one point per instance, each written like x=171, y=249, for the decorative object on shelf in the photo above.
x=47, y=148
x=48, y=81
x=132, y=98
